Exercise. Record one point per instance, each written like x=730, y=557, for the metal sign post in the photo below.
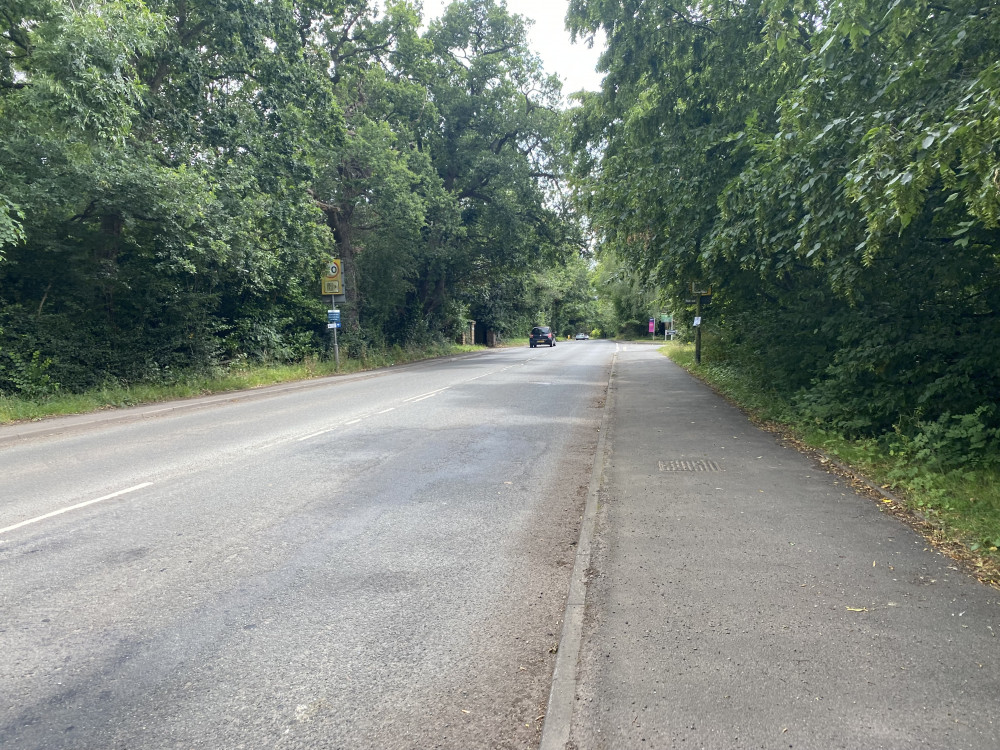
x=333, y=285
x=333, y=323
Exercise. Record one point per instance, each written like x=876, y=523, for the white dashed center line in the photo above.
x=75, y=507
x=422, y=396
x=315, y=434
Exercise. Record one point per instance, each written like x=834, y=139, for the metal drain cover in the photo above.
x=698, y=465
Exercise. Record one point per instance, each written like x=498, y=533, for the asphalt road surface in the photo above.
x=372, y=561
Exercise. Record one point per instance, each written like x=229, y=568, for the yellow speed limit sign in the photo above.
x=333, y=282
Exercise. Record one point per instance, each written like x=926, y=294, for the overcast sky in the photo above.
x=573, y=63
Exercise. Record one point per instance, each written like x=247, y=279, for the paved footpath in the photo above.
x=739, y=596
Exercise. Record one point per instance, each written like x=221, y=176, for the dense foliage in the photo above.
x=831, y=168
x=176, y=174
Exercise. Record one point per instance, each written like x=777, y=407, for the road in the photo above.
x=430, y=556
x=369, y=561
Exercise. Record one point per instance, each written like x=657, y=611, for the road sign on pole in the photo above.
x=333, y=282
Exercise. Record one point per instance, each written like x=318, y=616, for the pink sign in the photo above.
x=652, y=325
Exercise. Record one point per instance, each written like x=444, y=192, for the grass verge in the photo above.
x=236, y=378
x=957, y=512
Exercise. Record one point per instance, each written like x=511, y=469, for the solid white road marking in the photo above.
x=75, y=507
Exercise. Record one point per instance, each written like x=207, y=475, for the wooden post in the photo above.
x=697, y=333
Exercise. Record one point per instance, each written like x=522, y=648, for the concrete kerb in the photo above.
x=559, y=714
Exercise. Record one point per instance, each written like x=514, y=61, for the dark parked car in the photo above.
x=541, y=335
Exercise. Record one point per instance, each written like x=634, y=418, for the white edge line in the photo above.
x=386, y=411
x=75, y=507
x=353, y=421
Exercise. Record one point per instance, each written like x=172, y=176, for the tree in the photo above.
x=178, y=172
x=827, y=168
x=156, y=162
x=495, y=148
